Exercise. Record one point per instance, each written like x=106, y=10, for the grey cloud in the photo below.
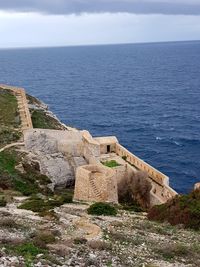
x=186, y=7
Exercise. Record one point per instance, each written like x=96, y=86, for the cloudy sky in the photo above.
x=27, y=23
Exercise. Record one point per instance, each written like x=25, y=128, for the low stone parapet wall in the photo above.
x=160, y=182
x=154, y=174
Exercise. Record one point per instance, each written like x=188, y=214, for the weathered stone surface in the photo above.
x=58, y=169
x=40, y=141
x=197, y=186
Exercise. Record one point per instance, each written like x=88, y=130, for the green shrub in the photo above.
x=132, y=207
x=41, y=239
x=183, y=210
x=111, y=163
x=100, y=208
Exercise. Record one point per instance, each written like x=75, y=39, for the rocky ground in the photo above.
x=74, y=238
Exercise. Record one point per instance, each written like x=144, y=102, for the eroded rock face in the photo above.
x=40, y=141
x=58, y=154
x=58, y=169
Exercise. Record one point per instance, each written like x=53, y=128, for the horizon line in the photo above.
x=103, y=44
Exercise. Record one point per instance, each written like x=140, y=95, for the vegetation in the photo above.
x=44, y=206
x=132, y=207
x=111, y=163
x=28, y=250
x=42, y=238
x=183, y=210
x=9, y=118
x=2, y=202
x=31, y=181
x=43, y=121
x=100, y=208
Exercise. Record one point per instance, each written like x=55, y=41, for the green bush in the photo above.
x=41, y=239
x=132, y=207
x=183, y=210
x=100, y=208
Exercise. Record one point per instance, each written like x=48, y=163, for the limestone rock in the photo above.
x=40, y=141
x=197, y=186
x=58, y=169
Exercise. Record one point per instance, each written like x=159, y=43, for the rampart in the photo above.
x=160, y=182
x=95, y=183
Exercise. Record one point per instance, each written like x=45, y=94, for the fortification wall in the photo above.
x=91, y=149
x=161, y=191
x=95, y=183
x=53, y=141
x=154, y=174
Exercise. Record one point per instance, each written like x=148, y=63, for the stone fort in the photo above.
x=95, y=182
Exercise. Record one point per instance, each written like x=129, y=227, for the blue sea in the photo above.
x=148, y=95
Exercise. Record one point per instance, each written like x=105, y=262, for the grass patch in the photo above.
x=101, y=208
x=28, y=183
x=45, y=206
x=8, y=135
x=8, y=109
x=111, y=163
x=43, y=121
x=28, y=250
x=9, y=118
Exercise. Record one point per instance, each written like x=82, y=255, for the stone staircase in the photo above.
x=24, y=114
x=94, y=188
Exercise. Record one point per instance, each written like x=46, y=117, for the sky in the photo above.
x=37, y=23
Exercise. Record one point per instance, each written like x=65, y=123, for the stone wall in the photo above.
x=91, y=149
x=161, y=191
x=95, y=183
x=53, y=141
x=106, y=141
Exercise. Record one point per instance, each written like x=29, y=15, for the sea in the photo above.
x=148, y=95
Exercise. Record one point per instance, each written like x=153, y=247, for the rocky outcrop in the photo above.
x=58, y=169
